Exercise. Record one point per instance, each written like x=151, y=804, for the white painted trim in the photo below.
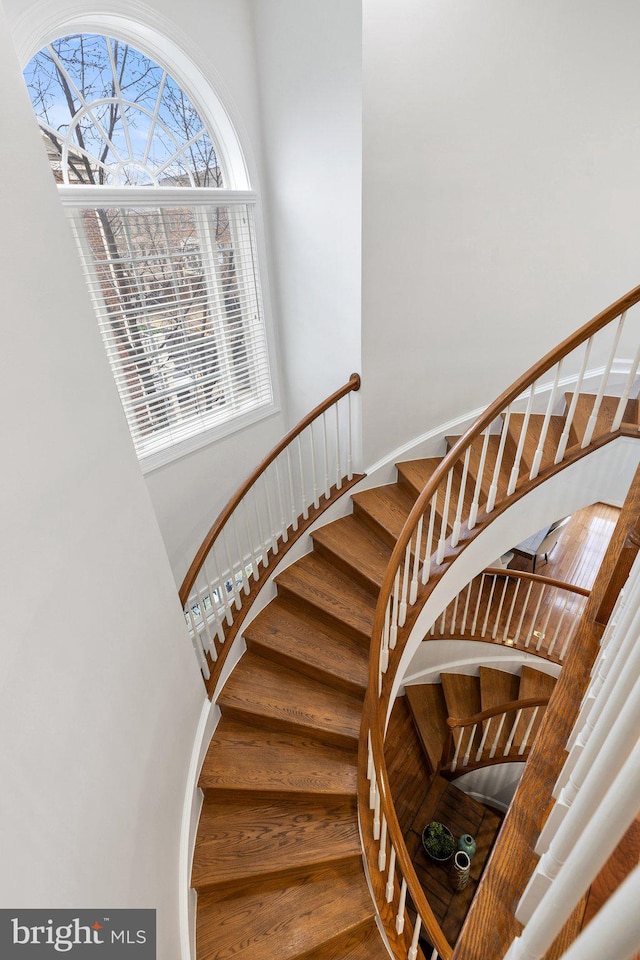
x=487, y=800
x=190, y=815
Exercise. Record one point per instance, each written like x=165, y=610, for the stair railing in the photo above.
x=515, y=444
x=515, y=608
x=501, y=733
x=309, y=468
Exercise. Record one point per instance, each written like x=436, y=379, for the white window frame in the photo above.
x=180, y=61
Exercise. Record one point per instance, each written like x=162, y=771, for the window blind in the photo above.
x=177, y=297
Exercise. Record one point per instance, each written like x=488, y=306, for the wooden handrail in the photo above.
x=454, y=723
x=525, y=575
x=352, y=384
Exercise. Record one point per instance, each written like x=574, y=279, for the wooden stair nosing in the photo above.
x=268, y=693
x=289, y=633
x=330, y=595
x=257, y=838
x=281, y=920
x=249, y=760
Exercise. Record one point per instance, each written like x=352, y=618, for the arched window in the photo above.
x=169, y=253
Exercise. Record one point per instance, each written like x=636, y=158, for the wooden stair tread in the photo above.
x=534, y=431
x=606, y=413
x=283, y=920
x=289, y=633
x=535, y=683
x=353, y=546
x=365, y=943
x=269, y=692
x=429, y=711
x=331, y=593
x=385, y=509
x=242, y=757
x=413, y=475
x=246, y=837
x=497, y=687
x=462, y=694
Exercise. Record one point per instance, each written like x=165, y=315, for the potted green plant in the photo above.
x=438, y=841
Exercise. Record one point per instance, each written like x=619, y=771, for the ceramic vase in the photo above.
x=467, y=844
x=460, y=870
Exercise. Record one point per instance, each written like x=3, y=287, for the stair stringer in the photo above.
x=605, y=474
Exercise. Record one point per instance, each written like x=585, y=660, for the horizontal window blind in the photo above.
x=177, y=296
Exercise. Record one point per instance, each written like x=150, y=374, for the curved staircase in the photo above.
x=277, y=862
x=278, y=857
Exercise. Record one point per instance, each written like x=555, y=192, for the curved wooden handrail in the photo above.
x=525, y=575
x=454, y=723
x=353, y=384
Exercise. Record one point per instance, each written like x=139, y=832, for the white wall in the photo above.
x=501, y=149
x=100, y=694
x=309, y=68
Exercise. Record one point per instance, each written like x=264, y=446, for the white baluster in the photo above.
x=617, y=420
x=454, y=615
x=500, y=606
x=473, y=512
x=382, y=851
x=412, y=953
x=614, y=735
x=264, y=551
x=405, y=585
x=534, y=618
x=376, y=816
x=466, y=607
x=280, y=493
x=525, y=608
x=486, y=616
x=303, y=492
x=605, y=935
x=505, y=633
x=197, y=646
x=314, y=468
x=350, y=442
x=588, y=434
x=426, y=564
x=214, y=605
x=570, y=633
x=338, y=459
x=515, y=470
x=384, y=649
x=210, y=645
x=223, y=589
x=568, y=597
x=485, y=734
x=400, y=913
x=373, y=792
x=564, y=439
x=455, y=535
x=444, y=519
x=465, y=762
x=454, y=762
x=391, y=875
x=475, y=615
x=254, y=564
x=494, y=745
x=232, y=573
x=537, y=459
x=272, y=531
x=243, y=572
x=509, y=742
x=370, y=764
x=413, y=595
x=393, y=636
x=543, y=629
x=292, y=493
x=580, y=849
x=527, y=733
x=493, y=490
x=325, y=450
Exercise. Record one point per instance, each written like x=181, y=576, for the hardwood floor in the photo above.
x=582, y=544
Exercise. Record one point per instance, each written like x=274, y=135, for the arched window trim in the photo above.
x=182, y=66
